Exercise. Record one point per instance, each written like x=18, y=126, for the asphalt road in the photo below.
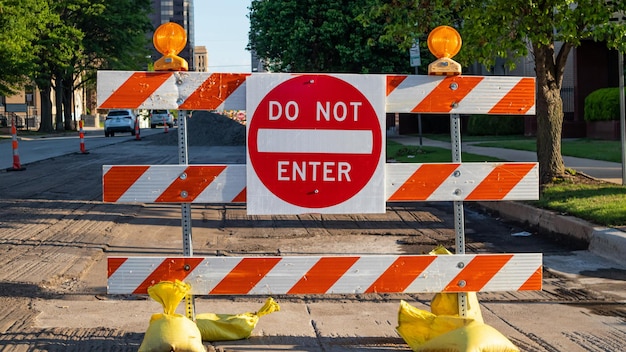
x=55, y=235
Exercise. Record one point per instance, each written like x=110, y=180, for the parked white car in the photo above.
x=119, y=120
x=160, y=118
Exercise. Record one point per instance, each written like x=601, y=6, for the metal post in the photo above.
x=622, y=114
x=459, y=219
x=185, y=207
x=419, y=127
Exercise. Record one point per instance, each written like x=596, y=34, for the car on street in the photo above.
x=160, y=118
x=119, y=120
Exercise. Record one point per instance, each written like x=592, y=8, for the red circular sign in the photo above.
x=314, y=141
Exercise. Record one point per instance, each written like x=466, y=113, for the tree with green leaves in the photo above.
x=57, y=43
x=19, y=23
x=321, y=36
x=548, y=30
x=113, y=37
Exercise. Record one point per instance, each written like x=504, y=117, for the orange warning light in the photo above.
x=169, y=39
x=444, y=42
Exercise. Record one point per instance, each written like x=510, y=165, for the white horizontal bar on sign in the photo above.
x=315, y=141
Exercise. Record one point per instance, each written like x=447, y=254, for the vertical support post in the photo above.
x=185, y=207
x=459, y=219
x=622, y=115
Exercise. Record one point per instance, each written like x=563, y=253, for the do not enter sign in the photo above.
x=315, y=144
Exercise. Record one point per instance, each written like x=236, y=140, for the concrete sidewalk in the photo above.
x=606, y=242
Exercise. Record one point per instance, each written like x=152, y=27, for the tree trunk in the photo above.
x=549, y=113
x=58, y=103
x=46, y=109
x=68, y=105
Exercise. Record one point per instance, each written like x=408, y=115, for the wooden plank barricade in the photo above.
x=456, y=181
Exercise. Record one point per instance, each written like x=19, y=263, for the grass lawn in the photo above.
x=603, y=204
x=415, y=154
x=598, y=202
x=581, y=148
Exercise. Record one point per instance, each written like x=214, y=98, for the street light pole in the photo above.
x=622, y=118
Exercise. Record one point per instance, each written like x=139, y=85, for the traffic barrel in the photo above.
x=81, y=134
x=17, y=166
x=165, y=130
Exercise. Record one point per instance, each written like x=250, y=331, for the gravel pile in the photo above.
x=207, y=129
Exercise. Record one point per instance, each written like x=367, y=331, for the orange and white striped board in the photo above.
x=172, y=90
x=462, y=182
x=174, y=183
x=498, y=95
x=403, y=182
x=330, y=275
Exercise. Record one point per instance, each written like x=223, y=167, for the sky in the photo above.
x=222, y=27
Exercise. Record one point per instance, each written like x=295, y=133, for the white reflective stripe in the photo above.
x=209, y=273
x=109, y=82
x=460, y=185
x=152, y=183
x=487, y=94
x=514, y=273
x=438, y=274
x=164, y=97
x=315, y=141
x=396, y=174
x=410, y=93
x=527, y=188
x=284, y=275
x=225, y=187
x=363, y=274
x=131, y=274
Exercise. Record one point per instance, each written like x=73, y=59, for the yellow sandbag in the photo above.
x=448, y=303
x=228, y=327
x=475, y=337
x=169, y=331
x=416, y=326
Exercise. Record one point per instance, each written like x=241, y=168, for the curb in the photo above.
x=606, y=242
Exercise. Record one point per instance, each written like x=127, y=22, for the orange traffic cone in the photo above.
x=137, y=136
x=16, y=156
x=81, y=134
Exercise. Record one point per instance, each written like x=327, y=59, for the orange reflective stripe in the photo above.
x=393, y=82
x=401, y=274
x=500, y=181
x=518, y=100
x=113, y=264
x=424, y=181
x=119, y=179
x=169, y=270
x=186, y=189
x=245, y=276
x=443, y=96
x=214, y=91
x=137, y=89
x=534, y=282
x=477, y=273
x=323, y=275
